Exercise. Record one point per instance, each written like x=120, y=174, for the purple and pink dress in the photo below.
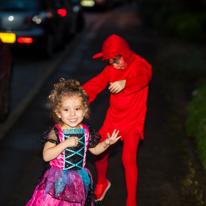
x=67, y=182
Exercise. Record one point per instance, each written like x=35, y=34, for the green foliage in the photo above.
x=187, y=26
x=201, y=143
x=182, y=18
x=162, y=18
x=196, y=121
x=196, y=112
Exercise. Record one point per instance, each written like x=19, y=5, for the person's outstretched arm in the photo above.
x=97, y=84
x=102, y=146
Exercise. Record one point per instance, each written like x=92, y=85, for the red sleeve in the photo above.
x=97, y=84
x=140, y=81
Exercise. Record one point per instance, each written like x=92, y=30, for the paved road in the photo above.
x=160, y=161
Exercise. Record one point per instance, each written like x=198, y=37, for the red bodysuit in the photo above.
x=127, y=109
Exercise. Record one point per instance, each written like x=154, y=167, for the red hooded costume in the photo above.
x=127, y=108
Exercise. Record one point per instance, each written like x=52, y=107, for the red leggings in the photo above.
x=129, y=161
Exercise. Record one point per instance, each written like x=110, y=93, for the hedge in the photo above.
x=196, y=121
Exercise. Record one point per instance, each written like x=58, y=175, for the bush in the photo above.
x=182, y=18
x=196, y=122
x=187, y=26
x=161, y=21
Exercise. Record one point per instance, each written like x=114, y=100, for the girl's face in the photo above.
x=71, y=112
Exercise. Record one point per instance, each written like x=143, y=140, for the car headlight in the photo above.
x=88, y=3
x=40, y=17
x=76, y=9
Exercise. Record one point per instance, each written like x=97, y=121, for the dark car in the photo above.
x=78, y=17
x=5, y=77
x=74, y=21
x=35, y=24
x=101, y=4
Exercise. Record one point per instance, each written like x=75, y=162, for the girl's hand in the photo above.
x=72, y=141
x=117, y=86
x=113, y=139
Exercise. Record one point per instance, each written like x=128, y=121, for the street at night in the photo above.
x=165, y=157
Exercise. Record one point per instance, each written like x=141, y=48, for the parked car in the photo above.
x=74, y=22
x=101, y=4
x=5, y=77
x=78, y=16
x=35, y=24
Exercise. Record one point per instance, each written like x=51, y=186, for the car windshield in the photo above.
x=19, y=5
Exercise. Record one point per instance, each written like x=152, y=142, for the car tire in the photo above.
x=5, y=99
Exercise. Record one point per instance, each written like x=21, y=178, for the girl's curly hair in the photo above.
x=67, y=88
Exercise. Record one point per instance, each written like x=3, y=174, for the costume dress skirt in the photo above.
x=67, y=182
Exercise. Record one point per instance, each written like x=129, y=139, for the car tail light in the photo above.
x=25, y=40
x=62, y=12
x=49, y=14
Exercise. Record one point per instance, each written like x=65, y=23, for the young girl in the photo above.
x=67, y=182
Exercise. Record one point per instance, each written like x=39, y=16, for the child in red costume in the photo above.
x=128, y=76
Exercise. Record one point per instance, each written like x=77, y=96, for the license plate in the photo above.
x=8, y=37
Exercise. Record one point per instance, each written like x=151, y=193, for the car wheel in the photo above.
x=5, y=100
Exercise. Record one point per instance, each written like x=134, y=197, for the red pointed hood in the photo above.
x=113, y=46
